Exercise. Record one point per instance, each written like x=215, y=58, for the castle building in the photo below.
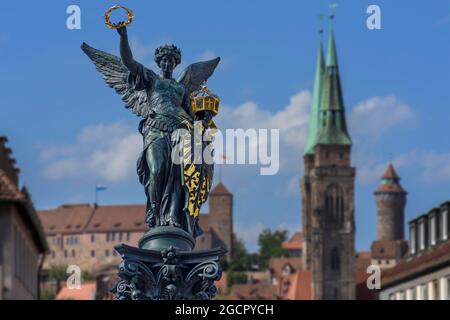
x=390, y=197
x=327, y=187
x=85, y=235
x=22, y=241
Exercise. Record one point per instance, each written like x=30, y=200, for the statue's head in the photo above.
x=167, y=57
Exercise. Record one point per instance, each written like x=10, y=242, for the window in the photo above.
x=128, y=236
x=334, y=203
x=422, y=235
x=387, y=261
x=73, y=252
x=92, y=237
x=108, y=237
x=444, y=225
x=65, y=254
x=335, y=260
x=113, y=236
x=107, y=253
x=412, y=239
x=92, y=253
x=120, y=236
x=432, y=230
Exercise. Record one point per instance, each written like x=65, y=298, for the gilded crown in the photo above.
x=205, y=100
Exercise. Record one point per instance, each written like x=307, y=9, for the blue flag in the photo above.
x=100, y=187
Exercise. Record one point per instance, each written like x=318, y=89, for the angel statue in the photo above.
x=174, y=195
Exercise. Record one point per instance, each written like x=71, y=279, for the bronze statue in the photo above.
x=165, y=106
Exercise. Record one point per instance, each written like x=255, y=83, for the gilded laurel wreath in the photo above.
x=120, y=24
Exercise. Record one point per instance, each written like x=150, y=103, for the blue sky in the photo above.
x=63, y=122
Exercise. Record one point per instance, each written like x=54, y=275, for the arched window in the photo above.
x=335, y=261
x=334, y=203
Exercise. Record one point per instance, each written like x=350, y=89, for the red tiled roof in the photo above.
x=117, y=217
x=8, y=190
x=387, y=187
x=439, y=255
x=85, y=292
x=220, y=189
x=66, y=218
x=294, y=243
x=362, y=261
x=80, y=218
x=299, y=286
x=392, y=185
x=390, y=173
x=254, y=291
x=277, y=265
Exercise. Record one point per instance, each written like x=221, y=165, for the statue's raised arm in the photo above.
x=130, y=79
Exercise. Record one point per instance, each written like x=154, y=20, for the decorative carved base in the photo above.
x=167, y=273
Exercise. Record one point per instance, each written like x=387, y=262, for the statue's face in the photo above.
x=167, y=64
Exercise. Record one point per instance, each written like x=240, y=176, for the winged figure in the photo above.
x=173, y=198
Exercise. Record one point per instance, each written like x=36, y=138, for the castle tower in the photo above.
x=221, y=219
x=391, y=200
x=328, y=187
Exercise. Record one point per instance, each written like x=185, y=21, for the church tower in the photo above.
x=328, y=186
x=391, y=200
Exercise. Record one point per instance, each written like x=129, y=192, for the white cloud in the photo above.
x=108, y=152
x=291, y=120
x=378, y=114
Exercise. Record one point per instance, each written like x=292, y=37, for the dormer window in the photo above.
x=422, y=235
x=412, y=238
x=432, y=230
x=444, y=224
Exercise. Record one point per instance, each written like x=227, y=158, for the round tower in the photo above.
x=391, y=201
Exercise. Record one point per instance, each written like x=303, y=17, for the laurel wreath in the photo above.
x=119, y=24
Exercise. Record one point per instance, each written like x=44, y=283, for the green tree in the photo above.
x=236, y=277
x=241, y=259
x=57, y=273
x=270, y=246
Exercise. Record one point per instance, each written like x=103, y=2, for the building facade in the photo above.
x=424, y=274
x=85, y=235
x=328, y=187
x=22, y=240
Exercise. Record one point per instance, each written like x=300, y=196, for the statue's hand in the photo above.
x=122, y=31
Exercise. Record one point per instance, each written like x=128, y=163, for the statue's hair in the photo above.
x=168, y=49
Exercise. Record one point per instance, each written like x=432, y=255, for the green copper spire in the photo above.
x=332, y=124
x=315, y=105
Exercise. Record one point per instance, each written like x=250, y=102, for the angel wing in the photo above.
x=194, y=75
x=118, y=77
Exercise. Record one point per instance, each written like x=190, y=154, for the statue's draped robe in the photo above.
x=161, y=178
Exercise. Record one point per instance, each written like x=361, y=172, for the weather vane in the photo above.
x=332, y=7
x=321, y=17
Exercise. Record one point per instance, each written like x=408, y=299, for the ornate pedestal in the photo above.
x=165, y=268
